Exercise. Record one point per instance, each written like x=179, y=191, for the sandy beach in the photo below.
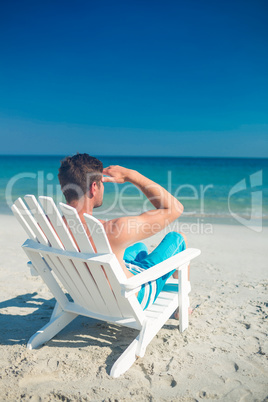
x=221, y=356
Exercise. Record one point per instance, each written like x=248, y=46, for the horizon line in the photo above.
x=139, y=156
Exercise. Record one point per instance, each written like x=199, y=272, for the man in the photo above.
x=81, y=178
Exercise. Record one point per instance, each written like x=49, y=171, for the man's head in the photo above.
x=81, y=175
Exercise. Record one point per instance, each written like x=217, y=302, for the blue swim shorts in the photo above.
x=137, y=259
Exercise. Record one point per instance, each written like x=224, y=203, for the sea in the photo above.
x=215, y=190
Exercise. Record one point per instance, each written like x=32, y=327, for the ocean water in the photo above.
x=212, y=189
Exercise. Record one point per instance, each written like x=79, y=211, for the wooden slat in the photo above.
x=31, y=222
x=105, y=289
x=98, y=234
x=23, y=222
x=68, y=243
x=46, y=275
x=68, y=282
x=42, y=220
x=68, y=270
x=98, y=304
x=55, y=218
x=116, y=276
x=65, y=271
x=77, y=228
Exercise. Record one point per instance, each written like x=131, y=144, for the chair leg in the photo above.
x=54, y=326
x=183, y=298
x=138, y=347
x=144, y=339
x=56, y=311
x=125, y=361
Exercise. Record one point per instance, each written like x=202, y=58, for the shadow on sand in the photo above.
x=17, y=325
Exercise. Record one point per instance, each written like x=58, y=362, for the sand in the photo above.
x=221, y=356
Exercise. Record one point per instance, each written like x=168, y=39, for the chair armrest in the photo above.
x=158, y=270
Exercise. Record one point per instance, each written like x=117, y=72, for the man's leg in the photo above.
x=136, y=252
x=172, y=244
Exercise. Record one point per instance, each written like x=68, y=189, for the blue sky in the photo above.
x=178, y=78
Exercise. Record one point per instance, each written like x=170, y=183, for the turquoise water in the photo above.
x=203, y=185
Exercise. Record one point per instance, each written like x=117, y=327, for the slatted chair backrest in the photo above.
x=113, y=273
x=95, y=285
x=62, y=267
x=33, y=230
x=107, y=277
x=75, y=271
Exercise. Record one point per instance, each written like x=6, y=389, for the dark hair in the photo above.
x=77, y=173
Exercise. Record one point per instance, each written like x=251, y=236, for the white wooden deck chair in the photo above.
x=95, y=281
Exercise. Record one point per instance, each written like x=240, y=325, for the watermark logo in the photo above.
x=255, y=220
x=244, y=202
x=127, y=200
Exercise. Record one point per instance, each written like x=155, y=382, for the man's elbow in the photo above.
x=180, y=209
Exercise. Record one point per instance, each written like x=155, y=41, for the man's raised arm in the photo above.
x=157, y=195
x=168, y=208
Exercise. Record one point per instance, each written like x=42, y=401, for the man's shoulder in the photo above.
x=116, y=225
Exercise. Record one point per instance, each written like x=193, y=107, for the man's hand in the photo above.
x=118, y=174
